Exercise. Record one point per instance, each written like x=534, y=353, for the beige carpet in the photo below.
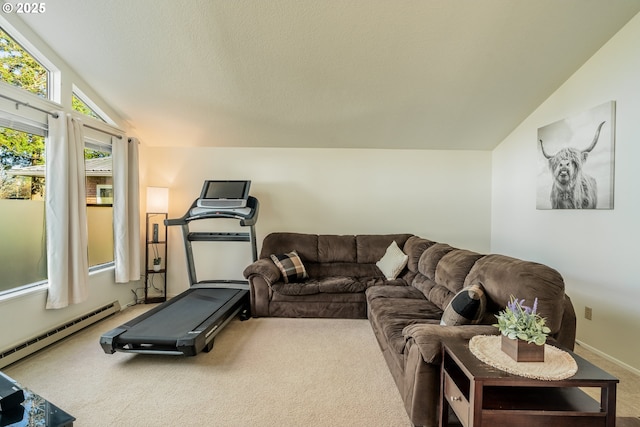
x=262, y=372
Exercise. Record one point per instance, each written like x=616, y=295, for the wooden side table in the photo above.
x=481, y=395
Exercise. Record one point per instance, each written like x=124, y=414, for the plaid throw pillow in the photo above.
x=290, y=266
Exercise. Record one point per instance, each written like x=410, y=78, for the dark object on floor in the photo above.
x=31, y=410
x=10, y=394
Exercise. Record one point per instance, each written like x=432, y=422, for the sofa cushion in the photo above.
x=414, y=248
x=335, y=285
x=451, y=271
x=371, y=247
x=374, y=292
x=336, y=269
x=393, y=261
x=467, y=307
x=290, y=266
x=431, y=257
x=295, y=288
x=339, y=285
x=423, y=284
x=392, y=315
x=454, y=267
x=306, y=245
x=333, y=248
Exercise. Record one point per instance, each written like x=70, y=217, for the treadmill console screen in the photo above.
x=224, y=194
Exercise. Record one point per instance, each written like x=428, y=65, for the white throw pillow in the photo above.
x=393, y=261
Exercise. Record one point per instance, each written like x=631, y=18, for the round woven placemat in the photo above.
x=557, y=365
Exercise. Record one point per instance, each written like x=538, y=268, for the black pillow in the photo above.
x=467, y=307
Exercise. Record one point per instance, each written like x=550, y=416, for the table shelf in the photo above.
x=481, y=395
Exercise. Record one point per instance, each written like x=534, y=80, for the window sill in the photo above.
x=22, y=291
x=102, y=267
x=40, y=287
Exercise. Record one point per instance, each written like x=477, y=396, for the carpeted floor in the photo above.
x=262, y=372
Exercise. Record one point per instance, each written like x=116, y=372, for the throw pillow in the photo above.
x=393, y=261
x=467, y=307
x=290, y=266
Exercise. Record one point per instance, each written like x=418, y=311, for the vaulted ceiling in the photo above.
x=423, y=74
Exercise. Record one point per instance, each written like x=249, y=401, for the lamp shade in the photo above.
x=157, y=200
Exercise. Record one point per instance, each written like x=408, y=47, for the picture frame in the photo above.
x=575, y=159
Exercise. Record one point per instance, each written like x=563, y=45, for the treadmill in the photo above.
x=188, y=323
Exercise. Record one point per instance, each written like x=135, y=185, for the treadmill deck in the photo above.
x=184, y=325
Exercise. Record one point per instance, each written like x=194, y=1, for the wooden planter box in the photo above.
x=522, y=351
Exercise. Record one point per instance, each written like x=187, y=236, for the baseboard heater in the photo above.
x=39, y=342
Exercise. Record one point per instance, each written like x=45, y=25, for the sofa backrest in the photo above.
x=439, y=271
x=281, y=243
x=328, y=254
x=442, y=270
x=502, y=276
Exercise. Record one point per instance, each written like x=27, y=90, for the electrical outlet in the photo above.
x=588, y=312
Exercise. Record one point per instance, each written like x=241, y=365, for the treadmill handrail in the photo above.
x=245, y=220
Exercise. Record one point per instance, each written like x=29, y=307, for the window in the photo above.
x=22, y=183
x=21, y=69
x=22, y=218
x=81, y=107
x=23, y=256
x=99, y=185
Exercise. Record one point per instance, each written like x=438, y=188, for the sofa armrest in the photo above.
x=429, y=337
x=263, y=267
x=566, y=336
x=261, y=274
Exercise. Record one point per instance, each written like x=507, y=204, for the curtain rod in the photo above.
x=103, y=131
x=26, y=104
x=53, y=114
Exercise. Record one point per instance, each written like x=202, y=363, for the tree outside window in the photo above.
x=21, y=69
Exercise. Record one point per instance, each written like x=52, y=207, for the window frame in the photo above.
x=103, y=117
x=54, y=76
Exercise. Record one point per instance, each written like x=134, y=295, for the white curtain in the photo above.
x=126, y=209
x=66, y=214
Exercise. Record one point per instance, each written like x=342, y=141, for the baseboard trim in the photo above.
x=609, y=358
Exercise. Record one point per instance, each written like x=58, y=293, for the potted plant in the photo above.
x=156, y=263
x=523, y=331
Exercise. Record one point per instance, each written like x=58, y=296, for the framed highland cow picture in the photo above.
x=576, y=161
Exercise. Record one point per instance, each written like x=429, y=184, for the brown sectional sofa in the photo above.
x=405, y=312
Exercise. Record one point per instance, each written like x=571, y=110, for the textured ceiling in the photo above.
x=436, y=74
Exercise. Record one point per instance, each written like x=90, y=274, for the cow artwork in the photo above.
x=572, y=188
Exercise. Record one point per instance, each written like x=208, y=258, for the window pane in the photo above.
x=80, y=106
x=98, y=166
x=22, y=225
x=21, y=69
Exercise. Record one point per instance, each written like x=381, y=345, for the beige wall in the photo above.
x=441, y=195
x=596, y=251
